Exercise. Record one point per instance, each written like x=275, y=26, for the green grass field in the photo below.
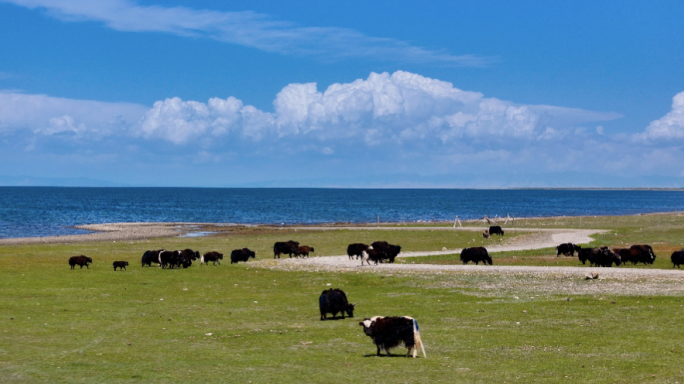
x=96, y=325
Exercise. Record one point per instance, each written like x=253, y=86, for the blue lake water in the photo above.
x=47, y=211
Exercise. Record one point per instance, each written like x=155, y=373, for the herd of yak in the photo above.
x=381, y=251
x=606, y=257
x=172, y=259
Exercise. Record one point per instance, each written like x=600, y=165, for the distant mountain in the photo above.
x=30, y=181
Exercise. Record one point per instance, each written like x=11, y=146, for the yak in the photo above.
x=285, y=247
x=214, y=257
x=677, y=258
x=150, y=257
x=120, y=265
x=304, y=250
x=389, y=332
x=356, y=249
x=476, y=254
x=334, y=301
x=567, y=249
x=495, y=230
x=80, y=261
x=241, y=255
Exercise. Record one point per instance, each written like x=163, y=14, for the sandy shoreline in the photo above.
x=112, y=232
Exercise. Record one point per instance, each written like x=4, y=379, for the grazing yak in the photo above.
x=356, y=249
x=389, y=332
x=150, y=257
x=677, y=258
x=599, y=257
x=80, y=260
x=495, y=230
x=241, y=255
x=334, y=301
x=213, y=257
x=485, y=233
x=285, y=247
x=387, y=251
x=120, y=264
x=636, y=254
x=304, y=250
x=567, y=249
x=606, y=258
x=476, y=254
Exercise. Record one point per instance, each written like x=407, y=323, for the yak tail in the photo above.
x=416, y=338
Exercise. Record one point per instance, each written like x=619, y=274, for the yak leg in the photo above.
x=378, y=354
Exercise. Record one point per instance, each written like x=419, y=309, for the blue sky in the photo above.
x=343, y=94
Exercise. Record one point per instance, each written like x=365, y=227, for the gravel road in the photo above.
x=540, y=238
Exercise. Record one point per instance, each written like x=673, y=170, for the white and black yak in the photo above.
x=334, y=301
x=356, y=249
x=150, y=257
x=389, y=332
x=387, y=251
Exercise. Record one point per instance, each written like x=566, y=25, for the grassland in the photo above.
x=96, y=325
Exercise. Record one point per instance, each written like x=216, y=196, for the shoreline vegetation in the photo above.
x=147, y=230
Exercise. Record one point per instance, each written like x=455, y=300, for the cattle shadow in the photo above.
x=336, y=318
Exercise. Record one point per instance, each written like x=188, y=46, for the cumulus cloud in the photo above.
x=401, y=108
x=404, y=109
x=244, y=28
x=670, y=126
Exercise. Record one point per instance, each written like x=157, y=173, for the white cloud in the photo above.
x=670, y=126
x=48, y=115
x=401, y=108
x=180, y=121
x=244, y=28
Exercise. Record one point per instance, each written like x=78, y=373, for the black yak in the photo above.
x=241, y=255
x=120, y=265
x=285, y=247
x=80, y=260
x=334, y=301
x=495, y=230
x=476, y=254
x=677, y=258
